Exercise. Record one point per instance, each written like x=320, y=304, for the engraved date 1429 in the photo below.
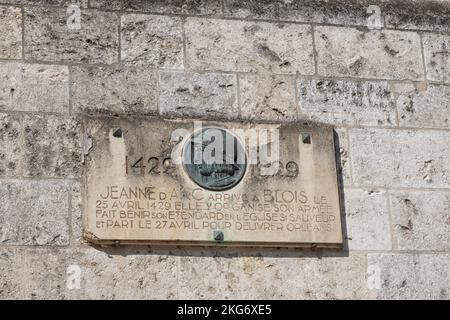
x=157, y=165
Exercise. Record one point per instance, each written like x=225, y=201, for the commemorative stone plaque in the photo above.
x=186, y=182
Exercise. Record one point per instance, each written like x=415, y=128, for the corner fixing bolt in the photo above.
x=306, y=138
x=218, y=235
x=117, y=132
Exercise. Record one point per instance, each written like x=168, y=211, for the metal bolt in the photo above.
x=306, y=138
x=117, y=132
x=218, y=235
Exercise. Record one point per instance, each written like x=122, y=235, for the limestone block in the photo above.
x=207, y=95
x=240, y=46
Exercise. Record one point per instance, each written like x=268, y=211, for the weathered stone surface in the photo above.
x=267, y=97
x=294, y=202
x=197, y=7
x=60, y=3
x=421, y=219
x=248, y=46
x=102, y=274
x=34, y=87
x=409, y=276
x=371, y=54
x=11, y=146
x=76, y=205
x=114, y=90
x=367, y=217
x=352, y=13
x=346, y=102
x=210, y=95
x=417, y=14
x=341, y=140
x=423, y=106
x=400, y=158
x=51, y=147
x=48, y=37
x=11, y=35
x=152, y=40
x=274, y=275
x=402, y=14
x=436, y=49
x=38, y=215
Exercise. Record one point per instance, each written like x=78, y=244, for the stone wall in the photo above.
x=386, y=92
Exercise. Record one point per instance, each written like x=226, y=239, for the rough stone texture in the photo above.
x=425, y=107
x=37, y=216
x=400, y=158
x=52, y=146
x=11, y=35
x=152, y=40
x=410, y=276
x=76, y=206
x=298, y=10
x=197, y=7
x=272, y=277
x=396, y=177
x=367, y=217
x=247, y=46
x=60, y=3
x=341, y=140
x=114, y=90
x=104, y=274
x=371, y=54
x=421, y=219
x=34, y=87
x=209, y=95
x=48, y=38
x=417, y=14
x=346, y=102
x=401, y=14
x=267, y=97
x=436, y=48
x=11, y=147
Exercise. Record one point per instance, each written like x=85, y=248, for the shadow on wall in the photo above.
x=230, y=252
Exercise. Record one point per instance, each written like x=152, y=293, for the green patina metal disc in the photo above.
x=214, y=159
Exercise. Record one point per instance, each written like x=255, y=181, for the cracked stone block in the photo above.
x=436, y=49
x=114, y=90
x=206, y=95
x=11, y=147
x=196, y=7
x=267, y=97
x=34, y=87
x=425, y=107
x=87, y=273
x=152, y=40
x=50, y=36
x=241, y=46
x=351, y=52
x=409, y=276
x=34, y=212
x=367, y=220
x=421, y=219
x=52, y=146
x=11, y=35
x=400, y=158
x=276, y=276
x=346, y=102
